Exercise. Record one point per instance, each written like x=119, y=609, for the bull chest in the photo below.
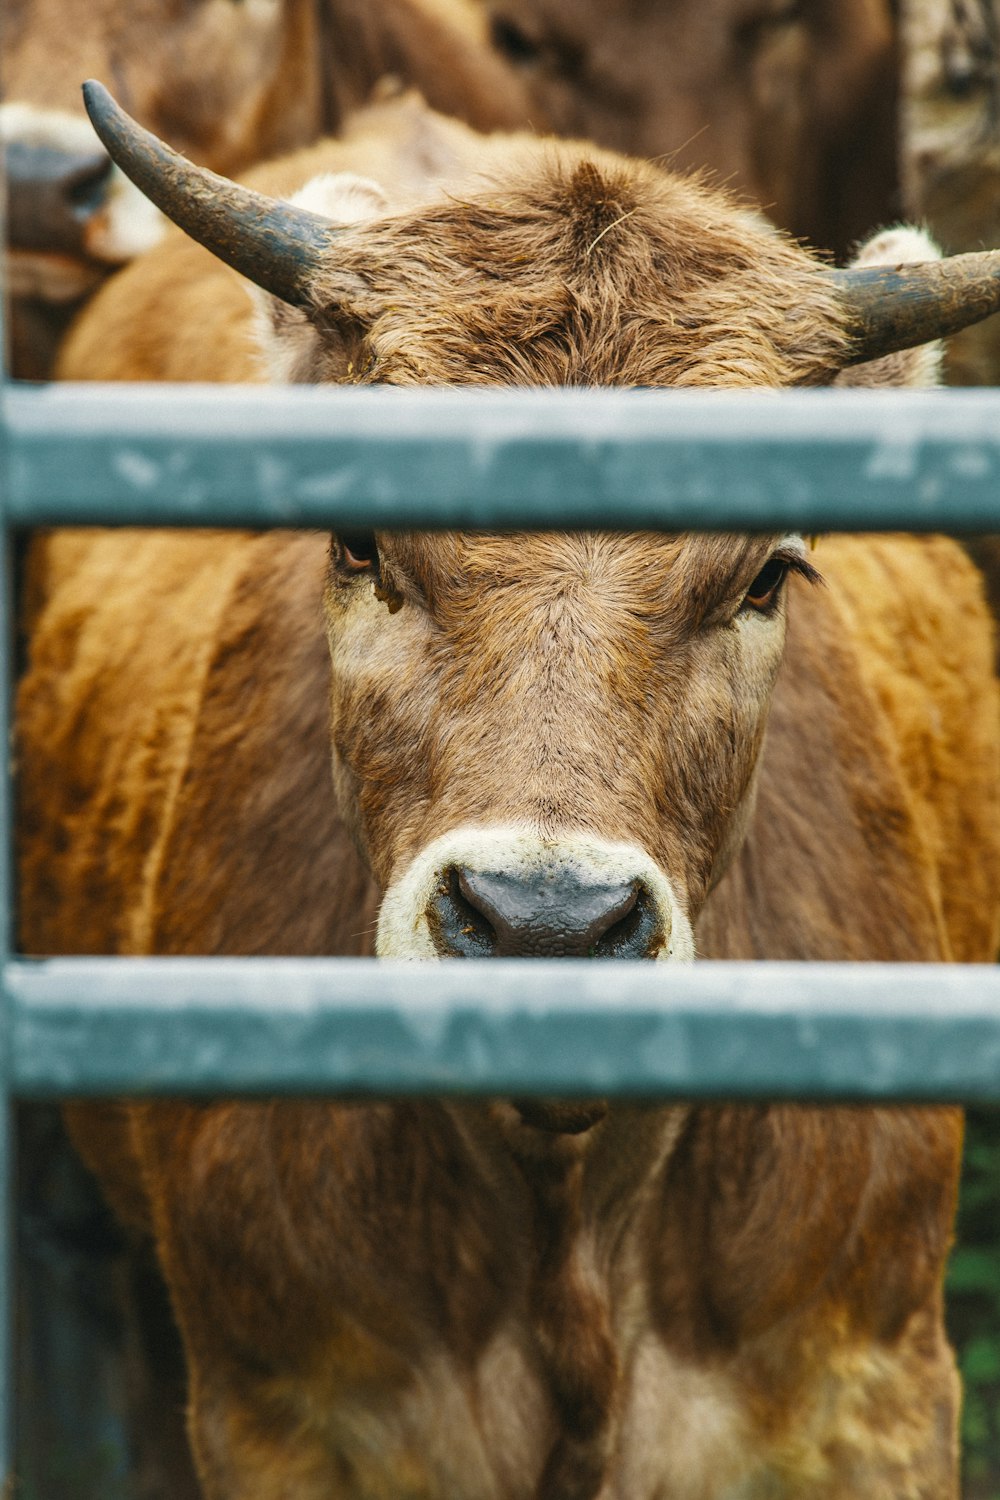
x=434, y=1301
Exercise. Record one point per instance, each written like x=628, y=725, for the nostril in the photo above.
x=458, y=925
x=620, y=923
x=632, y=932
x=476, y=925
x=551, y=913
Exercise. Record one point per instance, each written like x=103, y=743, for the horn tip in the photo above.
x=97, y=101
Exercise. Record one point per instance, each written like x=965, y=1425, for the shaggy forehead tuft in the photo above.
x=558, y=264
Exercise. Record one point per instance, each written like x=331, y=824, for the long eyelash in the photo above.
x=796, y=563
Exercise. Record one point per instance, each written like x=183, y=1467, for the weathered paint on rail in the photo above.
x=329, y=1026
x=806, y=460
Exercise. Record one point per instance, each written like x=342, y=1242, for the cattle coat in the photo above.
x=453, y=1298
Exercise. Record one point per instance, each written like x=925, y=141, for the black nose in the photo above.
x=554, y=914
x=51, y=194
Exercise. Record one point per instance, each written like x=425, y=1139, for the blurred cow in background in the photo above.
x=950, y=145
x=950, y=163
x=234, y=83
x=792, y=105
x=792, y=102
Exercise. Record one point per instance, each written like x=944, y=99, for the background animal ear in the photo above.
x=921, y=366
x=294, y=349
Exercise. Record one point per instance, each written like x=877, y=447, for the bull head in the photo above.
x=280, y=247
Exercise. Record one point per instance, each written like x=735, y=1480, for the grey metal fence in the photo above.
x=255, y=457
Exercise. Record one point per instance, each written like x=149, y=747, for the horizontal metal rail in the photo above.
x=327, y=1026
x=254, y=456
x=805, y=461
x=264, y=457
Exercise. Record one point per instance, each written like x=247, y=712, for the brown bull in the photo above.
x=541, y=743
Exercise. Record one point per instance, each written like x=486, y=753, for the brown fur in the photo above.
x=793, y=105
x=181, y=315
x=230, y=88
x=516, y=287
x=437, y=1298
x=230, y=85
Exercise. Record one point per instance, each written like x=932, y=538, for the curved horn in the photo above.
x=272, y=243
x=897, y=307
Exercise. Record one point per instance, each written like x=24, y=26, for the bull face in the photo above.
x=547, y=743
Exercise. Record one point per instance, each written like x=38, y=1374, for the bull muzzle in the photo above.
x=53, y=194
x=553, y=913
x=505, y=892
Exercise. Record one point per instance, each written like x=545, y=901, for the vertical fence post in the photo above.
x=6, y=1103
x=6, y=923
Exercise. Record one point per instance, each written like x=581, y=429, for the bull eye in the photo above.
x=762, y=595
x=359, y=552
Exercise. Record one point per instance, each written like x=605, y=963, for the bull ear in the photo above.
x=275, y=245
x=896, y=307
x=920, y=366
x=295, y=348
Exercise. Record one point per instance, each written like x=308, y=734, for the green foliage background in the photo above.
x=973, y=1304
